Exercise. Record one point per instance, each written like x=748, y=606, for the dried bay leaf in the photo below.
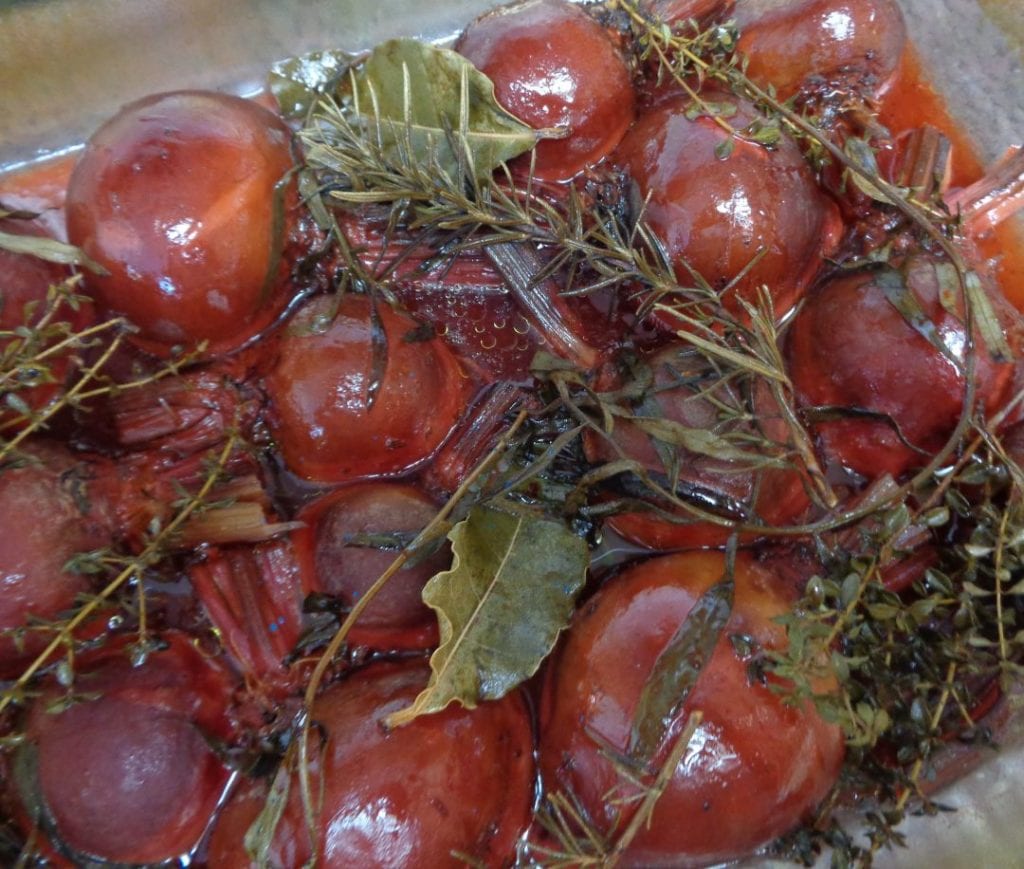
x=430, y=105
x=511, y=590
x=297, y=82
x=677, y=669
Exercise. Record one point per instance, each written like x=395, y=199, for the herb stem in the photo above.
x=37, y=422
x=1004, y=653
x=642, y=816
x=135, y=567
x=937, y=713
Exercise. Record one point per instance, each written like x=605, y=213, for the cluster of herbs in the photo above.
x=413, y=132
x=50, y=337
x=914, y=665
x=55, y=347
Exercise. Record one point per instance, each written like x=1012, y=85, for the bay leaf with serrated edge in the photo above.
x=677, y=669
x=511, y=590
x=297, y=82
x=49, y=249
x=431, y=106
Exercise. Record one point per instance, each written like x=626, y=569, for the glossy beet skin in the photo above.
x=554, y=66
x=733, y=488
x=458, y=781
x=754, y=768
x=126, y=773
x=337, y=563
x=719, y=214
x=45, y=524
x=851, y=43
x=321, y=417
x=851, y=347
x=175, y=197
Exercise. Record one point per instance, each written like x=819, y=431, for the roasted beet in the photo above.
x=554, y=66
x=183, y=198
x=852, y=349
x=794, y=43
x=754, y=767
x=125, y=772
x=411, y=796
x=37, y=583
x=351, y=537
x=340, y=412
x=750, y=218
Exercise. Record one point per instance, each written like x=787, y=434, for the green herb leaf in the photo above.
x=702, y=442
x=431, y=105
x=49, y=249
x=862, y=155
x=298, y=81
x=986, y=319
x=511, y=590
x=894, y=285
x=676, y=671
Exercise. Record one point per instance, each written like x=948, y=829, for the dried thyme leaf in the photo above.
x=677, y=669
x=430, y=105
x=511, y=590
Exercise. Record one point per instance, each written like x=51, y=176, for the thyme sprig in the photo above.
x=155, y=549
x=914, y=665
x=32, y=353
